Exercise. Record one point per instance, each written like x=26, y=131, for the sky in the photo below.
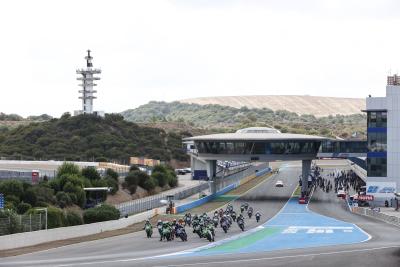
x=170, y=50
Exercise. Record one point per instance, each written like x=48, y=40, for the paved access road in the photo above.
x=134, y=249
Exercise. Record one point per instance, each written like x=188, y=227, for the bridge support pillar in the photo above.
x=306, y=166
x=211, y=171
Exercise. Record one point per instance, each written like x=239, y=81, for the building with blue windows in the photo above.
x=383, y=131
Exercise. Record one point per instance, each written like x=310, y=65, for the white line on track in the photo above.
x=281, y=257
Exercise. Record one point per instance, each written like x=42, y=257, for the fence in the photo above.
x=22, y=223
x=151, y=202
x=378, y=215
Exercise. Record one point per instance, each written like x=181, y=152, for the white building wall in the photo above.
x=393, y=134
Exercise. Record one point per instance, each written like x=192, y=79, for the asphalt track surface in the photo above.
x=383, y=249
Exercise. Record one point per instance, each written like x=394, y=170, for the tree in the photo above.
x=63, y=199
x=30, y=197
x=68, y=168
x=111, y=173
x=161, y=178
x=12, y=187
x=91, y=173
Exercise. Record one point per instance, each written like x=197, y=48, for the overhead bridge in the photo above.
x=260, y=144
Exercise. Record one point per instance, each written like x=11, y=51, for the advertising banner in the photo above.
x=381, y=189
x=366, y=197
x=144, y=161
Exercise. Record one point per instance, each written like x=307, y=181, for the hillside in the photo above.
x=89, y=138
x=224, y=118
x=314, y=105
x=14, y=120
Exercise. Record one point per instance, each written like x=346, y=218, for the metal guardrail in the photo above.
x=378, y=215
x=152, y=202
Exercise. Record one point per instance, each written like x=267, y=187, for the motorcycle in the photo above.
x=207, y=233
x=159, y=227
x=188, y=220
x=215, y=221
x=149, y=230
x=197, y=230
x=181, y=233
x=258, y=216
x=240, y=223
x=224, y=226
x=166, y=234
x=233, y=215
x=250, y=213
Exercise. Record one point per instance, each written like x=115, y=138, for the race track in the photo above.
x=293, y=236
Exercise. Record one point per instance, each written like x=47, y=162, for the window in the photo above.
x=377, y=119
x=377, y=142
x=376, y=167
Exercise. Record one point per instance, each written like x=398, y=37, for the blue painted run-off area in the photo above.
x=208, y=198
x=293, y=227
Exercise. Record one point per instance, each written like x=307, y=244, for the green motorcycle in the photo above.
x=149, y=230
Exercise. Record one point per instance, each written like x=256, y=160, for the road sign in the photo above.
x=366, y=197
x=1, y=201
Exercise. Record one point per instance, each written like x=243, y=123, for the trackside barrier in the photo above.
x=377, y=215
x=225, y=190
x=43, y=236
x=151, y=202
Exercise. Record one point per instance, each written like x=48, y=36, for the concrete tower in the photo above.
x=87, y=77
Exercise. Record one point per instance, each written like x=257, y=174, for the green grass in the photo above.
x=297, y=192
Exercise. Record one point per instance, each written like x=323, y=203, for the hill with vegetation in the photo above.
x=319, y=106
x=224, y=118
x=90, y=138
x=13, y=120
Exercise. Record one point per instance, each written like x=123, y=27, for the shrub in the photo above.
x=132, y=178
x=72, y=218
x=161, y=178
x=44, y=194
x=12, y=199
x=132, y=188
x=149, y=184
x=63, y=199
x=67, y=168
x=73, y=197
x=23, y=207
x=69, y=187
x=42, y=204
x=100, y=214
x=55, y=184
x=113, y=174
x=13, y=226
x=91, y=173
x=113, y=184
x=12, y=187
x=30, y=197
x=55, y=217
x=101, y=194
x=81, y=197
x=75, y=179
